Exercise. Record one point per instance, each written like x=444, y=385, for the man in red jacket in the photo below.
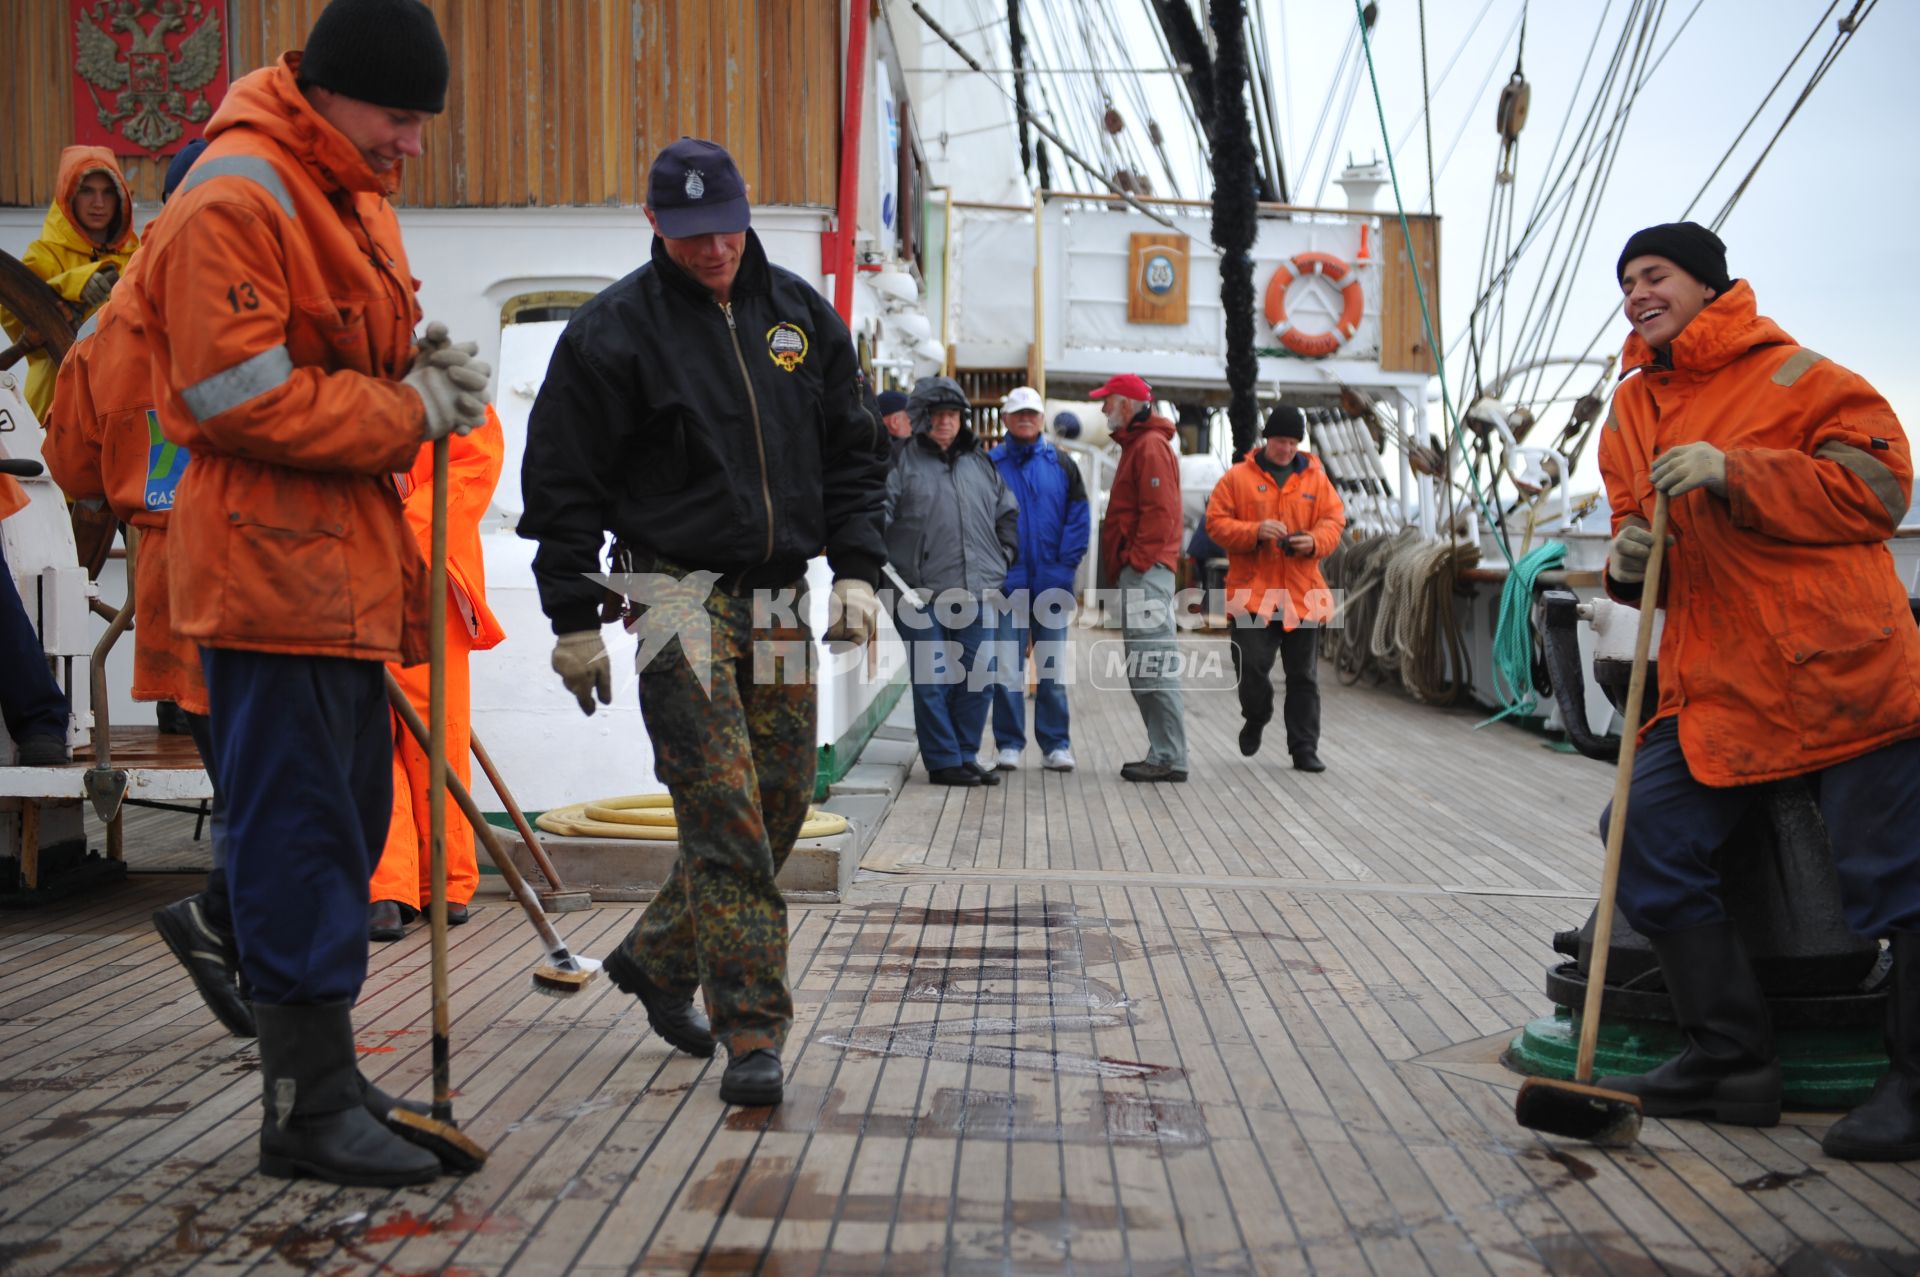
x=1139, y=543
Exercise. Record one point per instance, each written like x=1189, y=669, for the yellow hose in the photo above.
x=650, y=817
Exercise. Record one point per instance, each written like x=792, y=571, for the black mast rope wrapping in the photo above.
x=1018, y=40
x=1236, y=185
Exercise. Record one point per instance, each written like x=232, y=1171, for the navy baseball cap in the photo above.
x=696, y=189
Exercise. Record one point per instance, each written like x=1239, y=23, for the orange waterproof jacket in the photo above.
x=1788, y=644
x=1143, y=522
x=104, y=442
x=279, y=312
x=13, y=497
x=1264, y=578
x=66, y=256
x=473, y=471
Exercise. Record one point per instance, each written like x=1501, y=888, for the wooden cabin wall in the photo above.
x=1403, y=334
x=552, y=102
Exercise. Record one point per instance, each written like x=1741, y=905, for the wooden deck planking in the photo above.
x=1096, y=1027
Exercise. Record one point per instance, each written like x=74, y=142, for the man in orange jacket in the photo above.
x=279, y=314
x=1789, y=650
x=1139, y=545
x=1276, y=515
x=402, y=883
x=104, y=443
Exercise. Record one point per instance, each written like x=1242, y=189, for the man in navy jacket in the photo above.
x=1053, y=539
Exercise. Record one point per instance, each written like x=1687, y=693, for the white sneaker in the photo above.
x=1008, y=760
x=1059, y=760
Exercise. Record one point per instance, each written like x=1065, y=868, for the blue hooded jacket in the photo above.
x=1054, y=521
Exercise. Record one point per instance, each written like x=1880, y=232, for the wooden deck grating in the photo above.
x=1247, y=1024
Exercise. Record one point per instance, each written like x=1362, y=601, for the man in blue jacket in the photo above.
x=1054, y=525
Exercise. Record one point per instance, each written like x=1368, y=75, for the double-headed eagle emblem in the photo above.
x=146, y=95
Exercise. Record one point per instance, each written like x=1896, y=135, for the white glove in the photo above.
x=580, y=659
x=854, y=614
x=435, y=337
x=1627, y=557
x=1690, y=466
x=454, y=397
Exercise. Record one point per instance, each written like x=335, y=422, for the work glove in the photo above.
x=455, y=398
x=99, y=286
x=855, y=612
x=580, y=659
x=1690, y=466
x=1627, y=556
x=434, y=338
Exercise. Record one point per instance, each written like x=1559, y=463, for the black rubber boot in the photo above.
x=1728, y=1072
x=752, y=1079
x=1886, y=1128
x=677, y=1019
x=316, y=1124
x=210, y=957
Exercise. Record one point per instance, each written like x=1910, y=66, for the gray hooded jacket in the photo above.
x=951, y=522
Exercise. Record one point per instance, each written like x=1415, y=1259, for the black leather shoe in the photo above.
x=752, y=1079
x=210, y=958
x=44, y=751
x=1250, y=738
x=678, y=1020
x=959, y=776
x=1308, y=762
x=1145, y=771
x=383, y=921
x=986, y=777
x=457, y=915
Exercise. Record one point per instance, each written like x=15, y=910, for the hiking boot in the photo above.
x=210, y=957
x=1727, y=1071
x=678, y=1020
x=752, y=1079
x=383, y=921
x=317, y=1124
x=1886, y=1127
x=960, y=776
x=1144, y=771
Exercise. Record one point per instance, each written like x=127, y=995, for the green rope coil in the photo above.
x=1513, y=634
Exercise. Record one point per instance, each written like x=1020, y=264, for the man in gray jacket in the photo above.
x=952, y=532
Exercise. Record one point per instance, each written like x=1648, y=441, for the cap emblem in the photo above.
x=696, y=184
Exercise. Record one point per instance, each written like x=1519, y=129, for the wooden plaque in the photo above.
x=1157, y=279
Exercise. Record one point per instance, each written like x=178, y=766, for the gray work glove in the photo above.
x=455, y=397
x=99, y=286
x=1627, y=556
x=1689, y=466
x=580, y=659
x=434, y=338
x=855, y=612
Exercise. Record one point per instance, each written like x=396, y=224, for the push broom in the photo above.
x=439, y=1132
x=1579, y=1109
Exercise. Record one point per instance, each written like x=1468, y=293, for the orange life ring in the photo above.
x=1331, y=269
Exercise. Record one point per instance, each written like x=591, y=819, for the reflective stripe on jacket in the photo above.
x=1788, y=644
x=1264, y=578
x=279, y=310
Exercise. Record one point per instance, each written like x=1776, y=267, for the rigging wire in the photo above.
x=1426, y=95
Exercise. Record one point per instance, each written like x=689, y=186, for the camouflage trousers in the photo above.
x=738, y=756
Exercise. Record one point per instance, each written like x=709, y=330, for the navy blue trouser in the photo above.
x=31, y=702
x=1871, y=806
x=219, y=909
x=303, y=747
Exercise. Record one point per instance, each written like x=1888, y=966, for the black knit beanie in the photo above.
x=387, y=52
x=1285, y=422
x=1688, y=245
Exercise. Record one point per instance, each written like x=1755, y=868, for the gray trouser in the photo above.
x=1146, y=617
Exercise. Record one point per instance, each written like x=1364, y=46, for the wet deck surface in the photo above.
x=1246, y=1024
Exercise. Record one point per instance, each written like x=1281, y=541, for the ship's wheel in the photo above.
x=46, y=321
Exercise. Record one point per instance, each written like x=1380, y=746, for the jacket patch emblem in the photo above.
x=1260, y=487
x=696, y=184
x=1154, y=482
x=166, y=462
x=787, y=346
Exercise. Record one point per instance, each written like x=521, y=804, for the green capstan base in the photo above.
x=1821, y=1068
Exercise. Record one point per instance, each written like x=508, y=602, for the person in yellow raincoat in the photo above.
x=84, y=245
x=401, y=884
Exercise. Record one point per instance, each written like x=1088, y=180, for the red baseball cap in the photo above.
x=1131, y=385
